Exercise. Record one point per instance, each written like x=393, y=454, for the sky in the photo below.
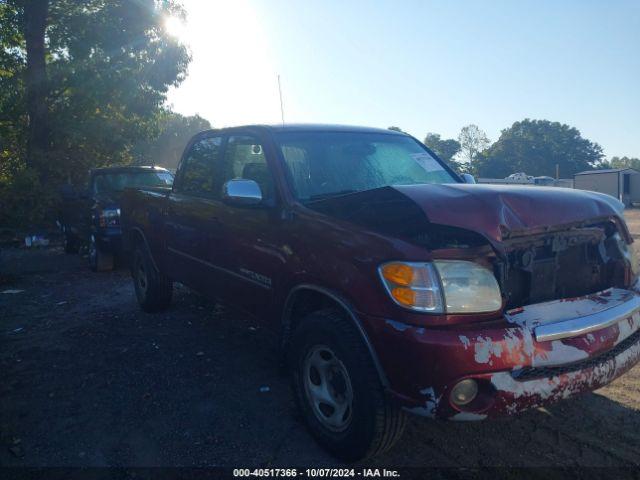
x=424, y=66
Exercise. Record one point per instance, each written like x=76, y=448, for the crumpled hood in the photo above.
x=493, y=209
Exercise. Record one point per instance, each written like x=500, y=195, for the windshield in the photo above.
x=116, y=182
x=322, y=164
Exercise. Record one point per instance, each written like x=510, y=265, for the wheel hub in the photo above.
x=328, y=388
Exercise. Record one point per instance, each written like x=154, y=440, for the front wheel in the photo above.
x=338, y=389
x=153, y=290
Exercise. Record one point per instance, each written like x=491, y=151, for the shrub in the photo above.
x=25, y=202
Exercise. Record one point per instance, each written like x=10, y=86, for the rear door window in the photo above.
x=199, y=173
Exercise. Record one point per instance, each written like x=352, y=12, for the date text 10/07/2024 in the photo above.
x=316, y=472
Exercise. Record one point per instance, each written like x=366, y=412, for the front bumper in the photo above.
x=534, y=356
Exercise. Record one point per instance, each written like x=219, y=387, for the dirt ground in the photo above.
x=87, y=379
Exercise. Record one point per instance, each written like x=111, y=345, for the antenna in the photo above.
x=281, y=107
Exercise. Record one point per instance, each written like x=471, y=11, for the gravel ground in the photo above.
x=87, y=379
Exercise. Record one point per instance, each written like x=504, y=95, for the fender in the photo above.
x=146, y=244
x=351, y=315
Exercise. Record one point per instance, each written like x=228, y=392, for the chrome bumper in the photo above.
x=581, y=325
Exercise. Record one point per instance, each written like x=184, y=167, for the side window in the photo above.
x=299, y=169
x=198, y=175
x=244, y=158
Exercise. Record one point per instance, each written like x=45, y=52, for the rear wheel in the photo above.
x=99, y=260
x=338, y=389
x=153, y=290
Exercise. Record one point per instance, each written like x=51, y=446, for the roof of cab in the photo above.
x=312, y=127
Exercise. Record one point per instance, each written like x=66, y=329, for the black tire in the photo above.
x=99, y=260
x=153, y=289
x=375, y=422
x=71, y=244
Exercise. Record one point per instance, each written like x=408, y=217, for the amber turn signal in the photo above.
x=405, y=296
x=398, y=273
x=412, y=285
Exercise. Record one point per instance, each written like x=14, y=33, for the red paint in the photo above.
x=439, y=359
x=494, y=209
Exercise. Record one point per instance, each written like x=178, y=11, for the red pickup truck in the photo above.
x=395, y=284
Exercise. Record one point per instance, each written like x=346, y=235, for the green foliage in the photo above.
x=473, y=141
x=396, y=129
x=175, y=132
x=445, y=149
x=13, y=119
x=109, y=65
x=535, y=147
x=624, y=162
x=24, y=201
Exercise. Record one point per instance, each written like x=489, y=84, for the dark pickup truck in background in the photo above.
x=92, y=216
x=394, y=285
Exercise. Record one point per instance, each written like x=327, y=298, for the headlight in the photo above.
x=110, y=217
x=453, y=286
x=468, y=287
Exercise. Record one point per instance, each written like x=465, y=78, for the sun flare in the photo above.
x=232, y=79
x=175, y=27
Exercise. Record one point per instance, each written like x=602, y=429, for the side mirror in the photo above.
x=468, y=178
x=242, y=192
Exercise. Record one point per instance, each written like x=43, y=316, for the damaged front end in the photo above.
x=570, y=318
x=563, y=263
x=530, y=357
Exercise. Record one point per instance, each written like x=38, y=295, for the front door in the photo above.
x=252, y=256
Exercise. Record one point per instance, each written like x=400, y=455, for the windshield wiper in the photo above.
x=322, y=196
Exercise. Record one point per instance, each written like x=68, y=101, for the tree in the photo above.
x=473, y=141
x=115, y=67
x=82, y=82
x=536, y=147
x=13, y=115
x=445, y=149
x=624, y=162
x=175, y=131
x=34, y=16
x=396, y=129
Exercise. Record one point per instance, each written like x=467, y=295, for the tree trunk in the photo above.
x=35, y=22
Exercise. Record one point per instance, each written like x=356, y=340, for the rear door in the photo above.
x=193, y=214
